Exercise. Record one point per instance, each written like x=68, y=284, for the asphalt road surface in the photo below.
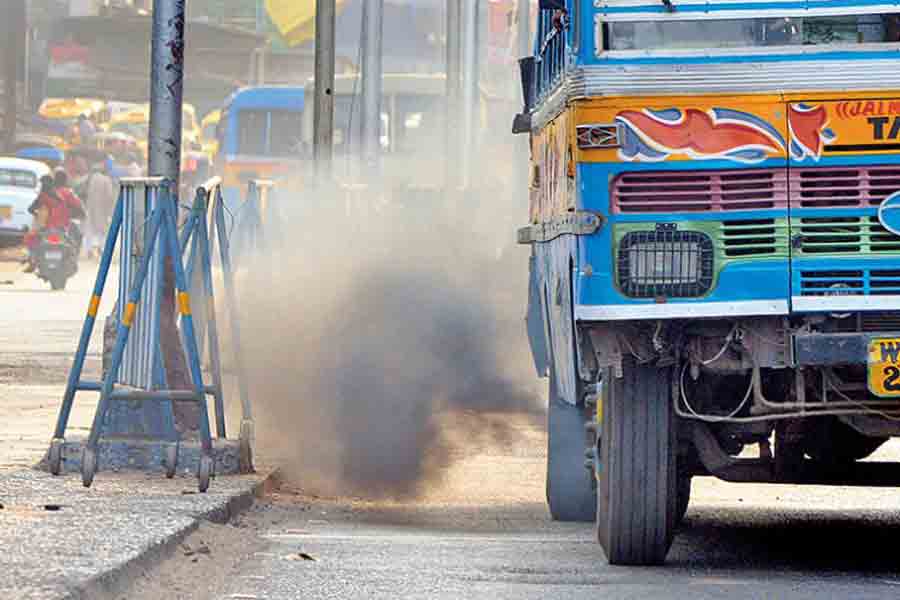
x=482, y=531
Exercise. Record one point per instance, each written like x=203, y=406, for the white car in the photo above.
x=20, y=183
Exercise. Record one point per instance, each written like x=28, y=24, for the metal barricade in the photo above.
x=144, y=227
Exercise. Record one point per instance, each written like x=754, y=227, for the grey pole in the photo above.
x=470, y=20
x=373, y=31
x=166, y=98
x=522, y=143
x=166, y=88
x=15, y=19
x=323, y=134
x=451, y=164
x=523, y=25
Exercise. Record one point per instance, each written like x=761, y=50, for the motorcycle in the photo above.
x=56, y=257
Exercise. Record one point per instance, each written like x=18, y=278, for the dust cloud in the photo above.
x=371, y=326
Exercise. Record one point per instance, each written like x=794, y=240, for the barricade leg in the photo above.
x=90, y=452
x=87, y=329
x=221, y=235
x=170, y=234
x=212, y=329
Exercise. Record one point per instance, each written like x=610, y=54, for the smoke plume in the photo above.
x=367, y=327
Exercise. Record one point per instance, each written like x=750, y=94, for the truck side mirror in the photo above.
x=552, y=4
x=522, y=122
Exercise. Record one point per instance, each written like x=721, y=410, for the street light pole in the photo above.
x=323, y=126
x=372, y=86
x=454, y=54
x=166, y=88
x=470, y=21
x=166, y=102
x=15, y=37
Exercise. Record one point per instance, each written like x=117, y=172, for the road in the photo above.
x=38, y=333
x=481, y=531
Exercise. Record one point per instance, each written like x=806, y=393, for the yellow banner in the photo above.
x=295, y=19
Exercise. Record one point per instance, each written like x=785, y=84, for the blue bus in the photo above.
x=260, y=136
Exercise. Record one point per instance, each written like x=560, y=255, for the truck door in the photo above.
x=844, y=161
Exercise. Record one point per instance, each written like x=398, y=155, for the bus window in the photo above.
x=285, y=133
x=252, y=126
x=418, y=123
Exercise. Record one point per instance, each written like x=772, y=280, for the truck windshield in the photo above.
x=742, y=33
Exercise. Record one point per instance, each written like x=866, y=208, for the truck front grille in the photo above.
x=845, y=235
x=863, y=282
x=842, y=187
x=750, y=238
x=699, y=191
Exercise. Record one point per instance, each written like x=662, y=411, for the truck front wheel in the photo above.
x=637, y=487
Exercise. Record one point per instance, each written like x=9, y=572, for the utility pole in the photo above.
x=372, y=86
x=323, y=134
x=15, y=38
x=522, y=143
x=166, y=103
x=454, y=54
x=166, y=88
x=470, y=89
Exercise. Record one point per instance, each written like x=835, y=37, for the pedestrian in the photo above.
x=100, y=193
x=86, y=130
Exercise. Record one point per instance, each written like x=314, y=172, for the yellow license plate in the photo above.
x=884, y=367
x=5, y=212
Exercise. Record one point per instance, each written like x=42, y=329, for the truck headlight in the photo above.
x=665, y=263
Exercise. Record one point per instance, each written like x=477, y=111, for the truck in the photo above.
x=715, y=259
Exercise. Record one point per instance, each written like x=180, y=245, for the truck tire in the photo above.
x=571, y=488
x=683, y=497
x=831, y=441
x=637, y=493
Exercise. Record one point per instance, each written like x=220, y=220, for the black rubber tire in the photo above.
x=58, y=283
x=683, y=491
x=571, y=487
x=831, y=441
x=637, y=482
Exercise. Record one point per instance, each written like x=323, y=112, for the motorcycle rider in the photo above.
x=54, y=208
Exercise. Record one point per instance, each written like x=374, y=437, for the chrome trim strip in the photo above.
x=843, y=303
x=552, y=106
x=724, y=14
x=684, y=310
x=747, y=77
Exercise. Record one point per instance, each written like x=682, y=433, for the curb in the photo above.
x=115, y=580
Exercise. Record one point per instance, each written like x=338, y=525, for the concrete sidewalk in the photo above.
x=62, y=541
x=58, y=539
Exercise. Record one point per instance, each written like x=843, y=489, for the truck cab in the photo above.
x=715, y=271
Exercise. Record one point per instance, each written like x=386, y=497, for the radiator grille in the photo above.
x=665, y=264
x=699, y=191
x=842, y=187
x=874, y=282
x=748, y=238
x=845, y=235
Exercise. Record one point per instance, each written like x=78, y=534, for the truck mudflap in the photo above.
x=534, y=320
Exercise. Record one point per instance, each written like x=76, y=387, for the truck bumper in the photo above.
x=832, y=349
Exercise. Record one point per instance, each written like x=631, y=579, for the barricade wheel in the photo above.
x=55, y=457
x=204, y=472
x=88, y=466
x=171, y=460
